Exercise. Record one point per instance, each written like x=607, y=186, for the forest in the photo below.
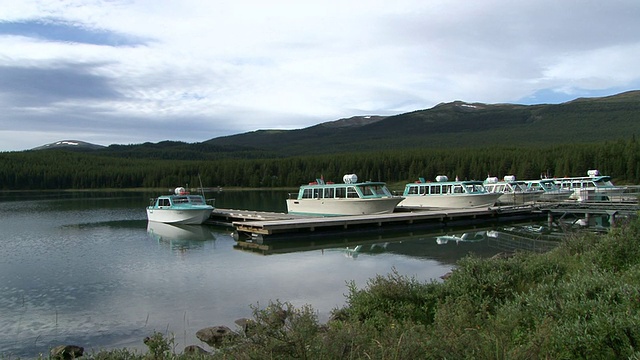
x=60, y=169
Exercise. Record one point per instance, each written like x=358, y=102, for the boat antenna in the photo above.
x=201, y=188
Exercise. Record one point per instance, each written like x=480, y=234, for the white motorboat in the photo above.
x=551, y=190
x=322, y=198
x=511, y=192
x=445, y=194
x=181, y=207
x=593, y=187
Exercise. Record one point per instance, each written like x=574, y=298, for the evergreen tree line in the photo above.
x=56, y=169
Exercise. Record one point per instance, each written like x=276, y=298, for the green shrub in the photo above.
x=493, y=281
x=620, y=248
x=392, y=298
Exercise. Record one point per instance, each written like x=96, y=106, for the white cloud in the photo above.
x=230, y=67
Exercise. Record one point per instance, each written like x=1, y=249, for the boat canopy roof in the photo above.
x=586, y=178
x=183, y=199
x=460, y=182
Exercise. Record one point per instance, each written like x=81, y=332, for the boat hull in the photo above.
x=179, y=216
x=342, y=206
x=519, y=198
x=555, y=195
x=449, y=201
x=598, y=194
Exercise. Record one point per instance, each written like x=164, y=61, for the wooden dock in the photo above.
x=227, y=217
x=258, y=230
x=259, y=226
x=587, y=211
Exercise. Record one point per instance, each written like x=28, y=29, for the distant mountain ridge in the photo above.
x=70, y=144
x=461, y=124
x=446, y=125
x=354, y=121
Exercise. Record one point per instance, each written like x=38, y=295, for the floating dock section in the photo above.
x=259, y=226
x=249, y=229
x=587, y=212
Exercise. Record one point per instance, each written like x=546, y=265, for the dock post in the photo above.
x=612, y=218
x=550, y=219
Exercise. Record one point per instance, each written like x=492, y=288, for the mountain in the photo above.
x=448, y=125
x=70, y=145
x=459, y=124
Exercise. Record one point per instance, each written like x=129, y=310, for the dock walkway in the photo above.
x=258, y=230
x=258, y=226
x=585, y=211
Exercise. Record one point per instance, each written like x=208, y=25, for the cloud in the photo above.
x=39, y=86
x=192, y=70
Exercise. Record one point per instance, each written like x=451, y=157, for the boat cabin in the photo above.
x=338, y=191
x=177, y=200
x=585, y=182
x=543, y=184
x=442, y=186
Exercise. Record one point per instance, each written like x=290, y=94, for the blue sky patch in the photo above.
x=550, y=96
x=67, y=32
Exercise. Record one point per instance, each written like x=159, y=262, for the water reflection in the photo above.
x=180, y=237
x=352, y=252
x=465, y=237
x=436, y=245
x=88, y=269
x=534, y=238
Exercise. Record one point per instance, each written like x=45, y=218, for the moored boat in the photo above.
x=445, y=194
x=320, y=198
x=511, y=192
x=593, y=187
x=551, y=190
x=181, y=207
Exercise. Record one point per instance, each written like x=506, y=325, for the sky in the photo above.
x=135, y=71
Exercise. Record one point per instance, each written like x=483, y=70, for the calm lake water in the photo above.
x=86, y=268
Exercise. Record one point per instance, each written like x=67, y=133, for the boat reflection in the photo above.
x=353, y=251
x=524, y=238
x=180, y=237
x=429, y=244
x=465, y=237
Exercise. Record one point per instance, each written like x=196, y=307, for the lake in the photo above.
x=86, y=268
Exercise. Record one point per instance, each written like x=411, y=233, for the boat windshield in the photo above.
x=604, y=181
x=375, y=190
x=475, y=188
x=198, y=200
x=180, y=200
x=548, y=185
